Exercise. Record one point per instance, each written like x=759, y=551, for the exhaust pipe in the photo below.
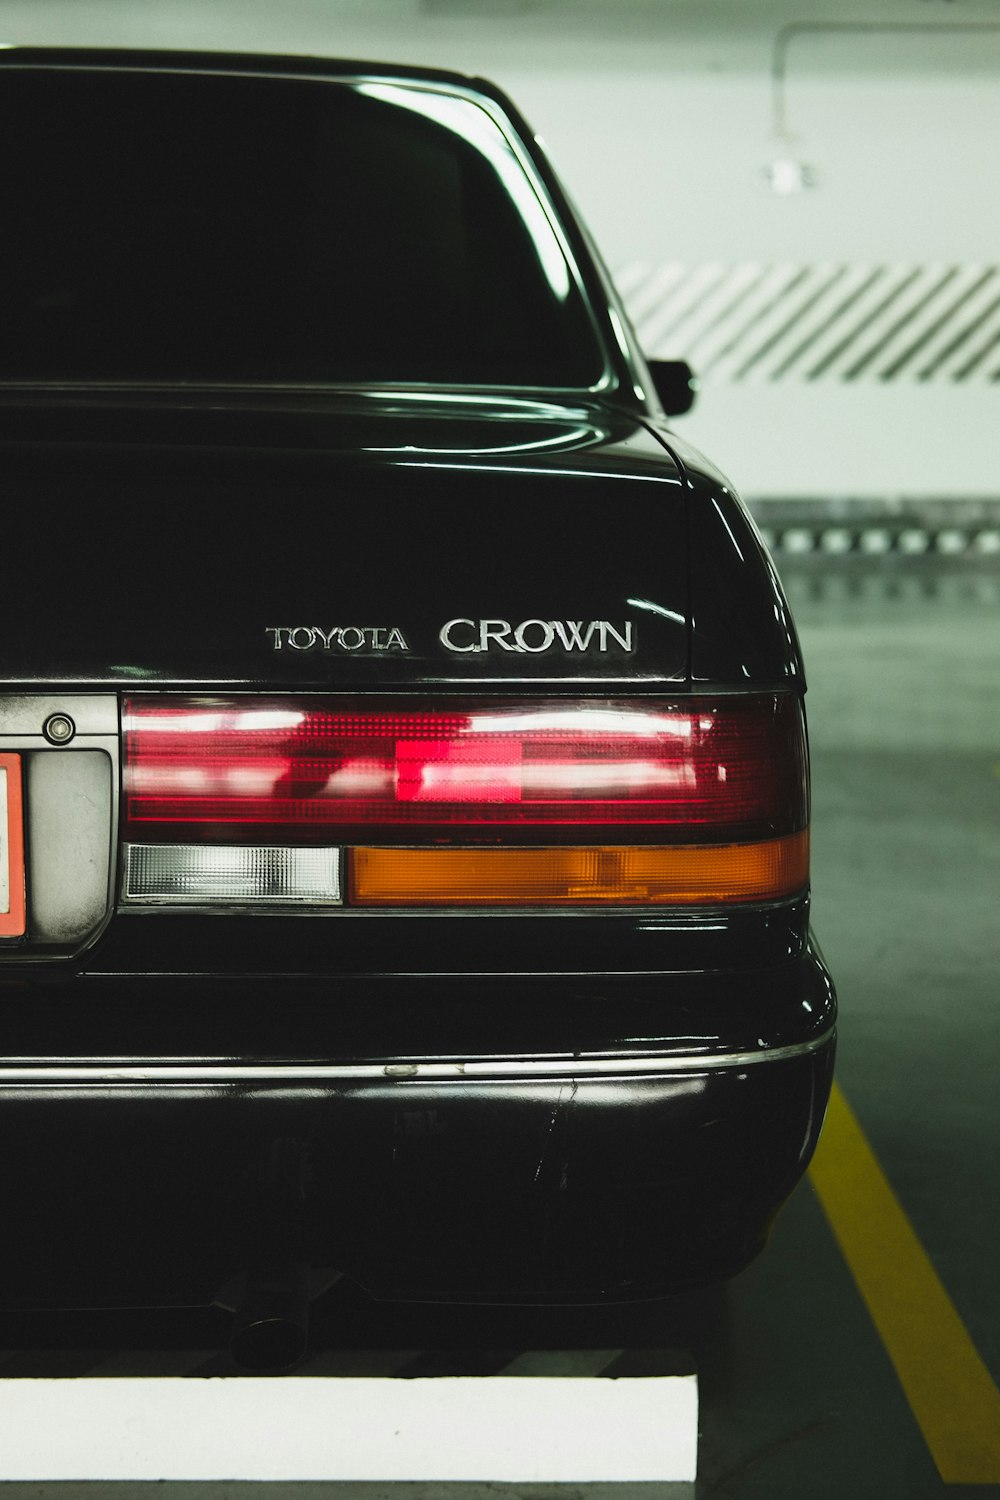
x=270, y=1298
x=271, y=1322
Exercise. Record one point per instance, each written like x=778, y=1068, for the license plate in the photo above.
x=11, y=848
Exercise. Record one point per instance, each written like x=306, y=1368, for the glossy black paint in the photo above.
x=277, y=507
x=164, y=532
x=286, y=1019
x=554, y=1190
x=741, y=627
x=675, y=384
x=349, y=511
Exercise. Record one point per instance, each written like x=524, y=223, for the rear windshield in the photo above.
x=204, y=227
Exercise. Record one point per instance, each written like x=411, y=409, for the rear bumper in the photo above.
x=570, y=1179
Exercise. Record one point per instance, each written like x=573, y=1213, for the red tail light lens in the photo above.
x=322, y=771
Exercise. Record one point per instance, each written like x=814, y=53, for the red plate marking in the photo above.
x=12, y=851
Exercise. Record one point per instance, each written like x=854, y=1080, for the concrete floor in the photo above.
x=904, y=666
x=798, y=1395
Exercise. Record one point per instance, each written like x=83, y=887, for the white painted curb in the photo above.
x=551, y=1429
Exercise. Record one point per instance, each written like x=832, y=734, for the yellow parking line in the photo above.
x=950, y=1390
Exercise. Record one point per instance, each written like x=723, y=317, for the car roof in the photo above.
x=280, y=64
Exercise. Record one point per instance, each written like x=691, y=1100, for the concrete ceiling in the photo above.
x=711, y=33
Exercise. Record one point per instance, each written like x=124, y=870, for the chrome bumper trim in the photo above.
x=436, y=1072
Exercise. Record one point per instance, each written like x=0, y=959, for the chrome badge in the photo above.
x=348, y=638
x=536, y=636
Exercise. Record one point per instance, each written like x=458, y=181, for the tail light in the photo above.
x=475, y=802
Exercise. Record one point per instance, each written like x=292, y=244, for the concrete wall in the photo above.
x=807, y=209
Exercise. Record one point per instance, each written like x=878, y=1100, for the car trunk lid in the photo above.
x=349, y=544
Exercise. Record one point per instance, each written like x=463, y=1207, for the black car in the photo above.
x=403, y=768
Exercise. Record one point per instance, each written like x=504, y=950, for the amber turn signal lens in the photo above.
x=661, y=875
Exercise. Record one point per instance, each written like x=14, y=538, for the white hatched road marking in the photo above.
x=873, y=311
x=971, y=356
x=857, y=321
x=767, y=299
x=826, y=322
x=919, y=306
x=790, y=317
x=652, y=286
x=715, y=309
x=683, y=300
x=937, y=328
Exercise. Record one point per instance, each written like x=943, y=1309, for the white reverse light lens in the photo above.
x=193, y=874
